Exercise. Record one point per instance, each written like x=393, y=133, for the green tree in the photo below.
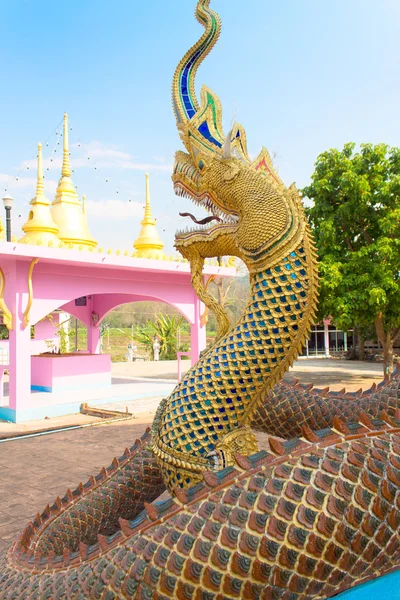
x=356, y=223
x=166, y=328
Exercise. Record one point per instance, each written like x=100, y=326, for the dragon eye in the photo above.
x=201, y=165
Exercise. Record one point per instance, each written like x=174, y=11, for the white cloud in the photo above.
x=110, y=156
x=96, y=154
x=20, y=182
x=96, y=149
x=26, y=182
x=100, y=164
x=114, y=209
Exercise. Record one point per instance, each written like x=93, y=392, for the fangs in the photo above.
x=206, y=202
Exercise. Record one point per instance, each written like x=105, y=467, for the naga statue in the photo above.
x=316, y=514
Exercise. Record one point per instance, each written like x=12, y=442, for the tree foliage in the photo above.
x=166, y=328
x=356, y=223
x=138, y=313
x=232, y=294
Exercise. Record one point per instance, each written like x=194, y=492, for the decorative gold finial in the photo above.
x=147, y=209
x=148, y=244
x=66, y=167
x=67, y=209
x=40, y=227
x=39, y=184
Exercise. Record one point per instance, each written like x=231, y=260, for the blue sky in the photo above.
x=302, y=76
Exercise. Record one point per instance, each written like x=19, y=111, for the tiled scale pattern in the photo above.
x=306, y=521
x=211, y=400
x=118, y=491
x=287, y=408
x=184, y=99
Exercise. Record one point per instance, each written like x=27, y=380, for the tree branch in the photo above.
x=366, y=235
x=380, y=332
x=348, y=243
x=396, y=333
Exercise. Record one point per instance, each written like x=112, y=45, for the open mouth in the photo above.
x=217, y=215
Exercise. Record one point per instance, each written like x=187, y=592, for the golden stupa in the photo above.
x=2, y=232
x=148, y=244
x=66, y=209
x=40, y=227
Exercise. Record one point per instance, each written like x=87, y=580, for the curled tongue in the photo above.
x=202, y=221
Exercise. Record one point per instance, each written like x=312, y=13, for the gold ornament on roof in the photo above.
x=148, y=244
x=4, y=310
x=66, y=209
x=40, y=226
x=27, y=311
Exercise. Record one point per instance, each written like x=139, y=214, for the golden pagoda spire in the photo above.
x=39, y=183
x=40, y=227
x=66, y=167
x=66, y=208
x=148, y=217
x=148, y=244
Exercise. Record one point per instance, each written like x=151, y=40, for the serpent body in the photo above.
x=316, y=515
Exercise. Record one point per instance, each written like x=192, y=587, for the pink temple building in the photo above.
x=56, y=265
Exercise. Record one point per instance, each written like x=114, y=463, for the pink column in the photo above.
x=20, y=367
x=198, y=339
x=93, y=339
x=19, y=347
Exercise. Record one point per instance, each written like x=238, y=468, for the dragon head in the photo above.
x=251, y=211
x=243, y=204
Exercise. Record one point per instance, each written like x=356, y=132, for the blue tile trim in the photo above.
x=41, y=388
x=386, y=587
x=63, y=388
x=7, y=414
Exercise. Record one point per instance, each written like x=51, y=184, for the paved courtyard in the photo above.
x=319, y=371
x=35, y=470
x=336, y=374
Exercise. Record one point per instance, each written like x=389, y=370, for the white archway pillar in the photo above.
x=327, y=322
x=93, y=339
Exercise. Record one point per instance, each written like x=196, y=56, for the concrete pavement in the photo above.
x=34, y=471
x=138, y=387
x=336, y=373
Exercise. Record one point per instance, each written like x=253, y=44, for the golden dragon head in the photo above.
x=251, y=211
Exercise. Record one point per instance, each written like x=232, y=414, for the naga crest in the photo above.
x=253, y=210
